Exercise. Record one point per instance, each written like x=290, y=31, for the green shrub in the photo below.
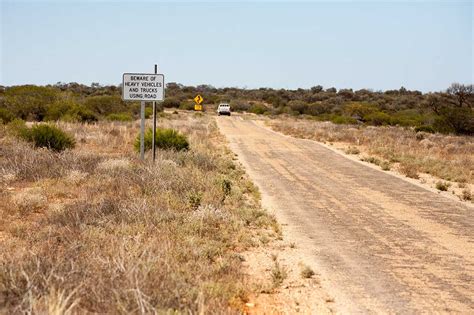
x=343, y=120
x=409, y=117
x=425, y=128
x=29, y=101
x=187, y=106
x=48, y=136
x=148, y=112
x=105, y=104
x=168, y=139
x=378, y=119
x=360, y=109
x=17, y=127
x=170, y=102
x=257, y=109
x=80, y=114
x=6, y=116
x=443, y=186
x=120, y=117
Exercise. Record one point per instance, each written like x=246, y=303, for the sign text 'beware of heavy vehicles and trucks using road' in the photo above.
x=143, y=87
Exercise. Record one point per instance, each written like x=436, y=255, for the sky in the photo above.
x=421, y=45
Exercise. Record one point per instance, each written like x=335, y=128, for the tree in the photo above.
x=463, y=94
x=454, y=109
x=317, y=89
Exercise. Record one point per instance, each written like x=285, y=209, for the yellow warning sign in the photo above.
x=198, y=107
x=198, y=99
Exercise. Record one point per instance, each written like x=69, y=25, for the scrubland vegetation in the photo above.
x=449, y=111
x=447, y=157
x=93, y=229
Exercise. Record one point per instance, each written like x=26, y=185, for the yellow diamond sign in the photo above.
x=198, y=99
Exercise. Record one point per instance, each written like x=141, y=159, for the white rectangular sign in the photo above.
x=143, y=87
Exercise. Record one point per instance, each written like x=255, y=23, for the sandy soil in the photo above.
x=377, y=242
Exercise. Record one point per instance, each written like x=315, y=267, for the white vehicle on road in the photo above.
x=223, y=109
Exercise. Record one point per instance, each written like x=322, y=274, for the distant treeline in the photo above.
x=449, y=111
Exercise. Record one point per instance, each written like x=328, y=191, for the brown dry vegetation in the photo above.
x=446, y=157
x=95, y=230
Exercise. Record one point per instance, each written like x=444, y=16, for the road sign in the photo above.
x=198, y=99
x=198, y=107
x=143, y=87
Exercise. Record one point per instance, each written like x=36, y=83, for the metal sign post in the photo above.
x=153, y=149
x=142, y=131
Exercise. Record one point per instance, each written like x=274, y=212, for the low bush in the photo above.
x=58, y=109
x=307, y=272
x=80, y=114
x=148, y=112
x=48, y=136
x=167, y=139
x=443, y=186
x=352, y=150
x=240, y=106
x=378, y=119
x=170, y=103
x=105, y=104
x=120, y=117
x=425, y=128
x=343, y=120
x=6, y=116
x=409, y=117
x=187, y=106
x=257, y=109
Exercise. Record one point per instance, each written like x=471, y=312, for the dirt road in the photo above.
x=381, y=244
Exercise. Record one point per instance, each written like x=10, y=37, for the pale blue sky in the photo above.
x=424, y=45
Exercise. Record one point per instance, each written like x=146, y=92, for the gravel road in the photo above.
x=380, y=243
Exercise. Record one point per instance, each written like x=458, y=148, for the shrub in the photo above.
x=359, y=109
x=378, y=119
x=307, y=272
x=106, y=104
x=343, y=120
x=80, y=114
x=48, y=136
x=466, y=194
x=187, y=106
x=257, y=109
x=29, y=101
x=168, y=139
x=443, y=186
x=58, y=109
x=148, y=112
x=279, y=274
x=120, y=117
x=240, y=106
x=298, y=106
x=409, y=170
x=17, y=127
x=409, y=117
x=170, y=102
x=352, y=150
x=425, y=128
x=5, y=116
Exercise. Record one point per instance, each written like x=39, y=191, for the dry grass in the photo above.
x=95, y=230
x=444, y=156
